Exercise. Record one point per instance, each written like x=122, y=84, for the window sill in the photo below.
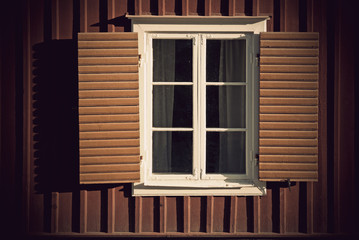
x=255, y=189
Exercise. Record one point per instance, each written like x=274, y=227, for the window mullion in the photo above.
x=202, y=104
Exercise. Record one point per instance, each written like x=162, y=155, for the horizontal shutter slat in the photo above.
x=100, y=118
x=109, y=143
x=109, y=168
x=107, y=93
x=107, y=52
x=288, y=158
x=108, y=85
x=289, y=60
x=289, y=166
x=288, y=120
x=112, y=134
x=95, y=161
x=289, y=76
x=287, y=109
x=292, y=175
x=288, y=142
x=288, y=126
x=289, y=43
x=289, y=52
x=289, y=35
x=288, y=150
x=108, y=77
x=99, y=152
x=287, y=134
x=107, y=44
x=287, y=93
x=107, y=36
x=288, y=117
x=87, y=127
x=289, y=101
x=123, y=177
x=280, y=68
x=108, y=108
x=107, y=60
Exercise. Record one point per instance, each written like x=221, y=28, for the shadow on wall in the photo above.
x=55, y=111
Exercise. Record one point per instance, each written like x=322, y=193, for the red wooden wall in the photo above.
x=39, y=129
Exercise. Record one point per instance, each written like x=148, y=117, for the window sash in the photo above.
x=199, y=128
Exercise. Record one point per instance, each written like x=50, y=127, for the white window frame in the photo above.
x=200, y=28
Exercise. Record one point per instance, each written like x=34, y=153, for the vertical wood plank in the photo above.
x=255, y=8
x=122, y=209
x=186, y=214
x=283, y=210
x=242, y=215
x=148, y=214
x=93, y=16
x=138, y=214
x=266, y=221
x=161, y=7
x=344, y=109
x=310, y=15
x=282, y=17
x=54, y=212
x=231, y=8
x=65, y=211
x=111, y=14
x=208, y=7
x=240, y=7
x=163, y=214
x=292, y=209
x=110, y=210
x=172, y=213
x=138, y=7
x=55, y=19
x=210, y=216
x=185, y=8
x=309, y=219
x=27, y=123
x=266, y=8
x=233, y=215
x=83, y=14
x=83, y=211
x=320, y=188
x=64, y=19
x=36, y=200
x=94, y=211
x=256, y=215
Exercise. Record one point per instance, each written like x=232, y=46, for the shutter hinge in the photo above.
x=139, y=60
x=256, y=159
x=257, y=59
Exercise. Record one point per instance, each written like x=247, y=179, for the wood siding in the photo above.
x=39, y=142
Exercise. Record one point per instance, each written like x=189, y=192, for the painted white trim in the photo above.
x=198, y=28
x=139, y=189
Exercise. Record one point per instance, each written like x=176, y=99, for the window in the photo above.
x=199, y=109
x=163, y=107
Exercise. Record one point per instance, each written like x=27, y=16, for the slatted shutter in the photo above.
x=108, y=107
x=288, y=135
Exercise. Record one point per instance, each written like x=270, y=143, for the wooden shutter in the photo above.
x=288, y=121
x=108, y=107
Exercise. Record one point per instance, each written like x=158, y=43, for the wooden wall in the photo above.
x=46, y=137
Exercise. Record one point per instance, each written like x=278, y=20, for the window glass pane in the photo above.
x=172, y=106
x=172, y=60
x=226, y=152
x=226, y=106
x=172, y=152
x=226, y=61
